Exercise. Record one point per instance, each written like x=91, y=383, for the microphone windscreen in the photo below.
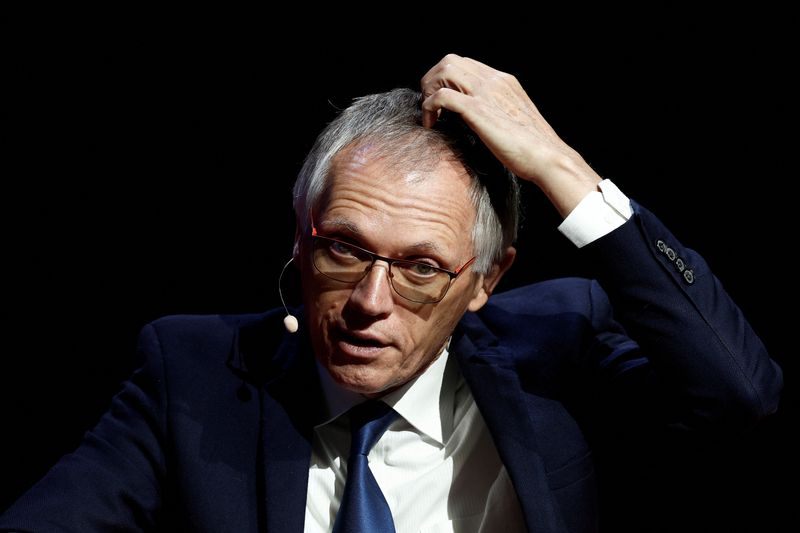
x=290, y=322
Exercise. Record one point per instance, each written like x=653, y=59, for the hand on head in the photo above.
x=501, y=113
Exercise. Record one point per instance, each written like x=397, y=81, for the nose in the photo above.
x=373, y=294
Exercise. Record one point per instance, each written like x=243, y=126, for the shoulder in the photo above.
x=199, y=334
x=553, y=311
x=556, y=296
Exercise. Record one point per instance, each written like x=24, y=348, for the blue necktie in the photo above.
x=363, y=508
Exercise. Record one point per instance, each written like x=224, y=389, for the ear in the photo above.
x=296, y=249
x=489, y=282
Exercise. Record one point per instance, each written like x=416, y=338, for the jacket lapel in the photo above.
x=495, y=385
x=290, y=397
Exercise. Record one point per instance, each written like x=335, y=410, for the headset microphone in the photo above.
x=289, y=322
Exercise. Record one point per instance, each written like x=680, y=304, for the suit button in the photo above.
x=680, y=265
x=688, y=275
x=660, y=245
x=671, y=255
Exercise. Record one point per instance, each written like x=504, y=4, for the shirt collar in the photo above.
x=426, y=402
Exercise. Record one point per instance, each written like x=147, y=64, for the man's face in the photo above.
x=370, y=339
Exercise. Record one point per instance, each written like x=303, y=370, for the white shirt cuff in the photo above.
x=599, y=213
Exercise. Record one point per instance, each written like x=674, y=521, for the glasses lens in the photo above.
x=346, y=263
x=340, y=261
x=419, y=282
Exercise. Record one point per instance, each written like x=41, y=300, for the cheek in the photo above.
x=448, y=314
x=317, y=297
x=326, y=305
x=423, y=336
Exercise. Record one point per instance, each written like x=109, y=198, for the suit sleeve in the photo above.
x=113, y=479
x=701, y=351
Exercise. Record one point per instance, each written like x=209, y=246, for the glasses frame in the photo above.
x=389, y=261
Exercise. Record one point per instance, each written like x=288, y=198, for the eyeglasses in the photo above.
x=413, y=280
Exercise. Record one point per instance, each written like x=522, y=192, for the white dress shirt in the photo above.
x=600, y=212
x=437, y=464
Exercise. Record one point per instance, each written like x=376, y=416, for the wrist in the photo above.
x=570, y=181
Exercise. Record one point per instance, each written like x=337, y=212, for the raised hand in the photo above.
x=501, y=113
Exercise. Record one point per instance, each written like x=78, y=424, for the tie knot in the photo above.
x=368, y=421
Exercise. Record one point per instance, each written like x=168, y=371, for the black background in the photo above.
x=151, y=157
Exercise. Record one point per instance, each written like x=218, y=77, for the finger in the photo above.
x=466, y=64
x=434, y=72
x=477, y=66
x=453, y=72
x=429, y=118
x=444, y=98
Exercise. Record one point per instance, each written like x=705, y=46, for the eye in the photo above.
x=418, y=272
x=422, y=269
x=341, y=249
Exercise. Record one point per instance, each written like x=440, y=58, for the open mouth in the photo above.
x=356, y=345
x=359, y=341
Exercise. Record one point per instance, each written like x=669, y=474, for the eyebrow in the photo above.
x=342, y=223
x=426, y=246
x=350, y=227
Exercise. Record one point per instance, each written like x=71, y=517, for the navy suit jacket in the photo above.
x=213, y=432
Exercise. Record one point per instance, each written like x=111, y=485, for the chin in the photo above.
x=360, y=380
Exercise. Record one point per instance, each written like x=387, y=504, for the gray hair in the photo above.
x=391, y=123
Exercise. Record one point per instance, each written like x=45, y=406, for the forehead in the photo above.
x=408, y=200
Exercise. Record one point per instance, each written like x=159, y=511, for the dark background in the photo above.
x=151, y=157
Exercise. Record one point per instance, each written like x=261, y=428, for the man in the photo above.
x=404, y=230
